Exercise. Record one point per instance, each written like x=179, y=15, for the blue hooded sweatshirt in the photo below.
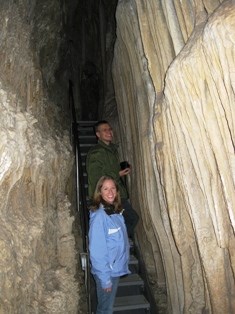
x=108, y=245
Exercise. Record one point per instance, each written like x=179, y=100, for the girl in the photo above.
x=108, y=243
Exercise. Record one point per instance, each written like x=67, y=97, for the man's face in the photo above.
x=105, y=133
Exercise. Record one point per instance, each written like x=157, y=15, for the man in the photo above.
x=103, y=160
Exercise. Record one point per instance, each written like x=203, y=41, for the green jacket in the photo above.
x=103, y=160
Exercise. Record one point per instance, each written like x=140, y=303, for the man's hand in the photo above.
x=124, y=172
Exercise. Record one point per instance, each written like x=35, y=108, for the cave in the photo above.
x=163, y=74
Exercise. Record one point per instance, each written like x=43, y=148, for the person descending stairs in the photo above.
x=131, y=293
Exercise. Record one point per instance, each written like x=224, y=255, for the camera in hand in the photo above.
x=124, y=165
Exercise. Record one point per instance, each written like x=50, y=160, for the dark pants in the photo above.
x=131, y=217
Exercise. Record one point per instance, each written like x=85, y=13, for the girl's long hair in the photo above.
x=98, y=199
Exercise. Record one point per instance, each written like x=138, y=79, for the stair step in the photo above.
x=86, y=132
x=131, y=280
x=86, y=129
x=133, y=260
x=87, y=139
x=86, y=123
x=132, y=302
x=86, y=145
x=84, y=148
x=131, y=242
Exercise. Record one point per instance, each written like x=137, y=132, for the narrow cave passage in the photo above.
x=162, y=74
x=93, y=37
x=97, y=101
x=43, y=48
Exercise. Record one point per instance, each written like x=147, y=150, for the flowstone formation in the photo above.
x=38, y=262
x=174, y=77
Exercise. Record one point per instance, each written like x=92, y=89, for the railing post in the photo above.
x=80, y=198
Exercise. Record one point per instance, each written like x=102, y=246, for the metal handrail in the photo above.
x=81, y=198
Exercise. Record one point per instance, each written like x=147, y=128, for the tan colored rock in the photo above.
x=38, y=259
x=174, y=84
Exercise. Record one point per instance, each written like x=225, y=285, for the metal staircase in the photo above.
x=130, y=297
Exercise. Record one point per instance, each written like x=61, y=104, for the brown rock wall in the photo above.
x=174, y=75
x=38, y=261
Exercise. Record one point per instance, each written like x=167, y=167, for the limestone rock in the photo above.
x=38, y=262
x=174, y=82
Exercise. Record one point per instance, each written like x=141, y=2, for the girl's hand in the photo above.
x=108, y=289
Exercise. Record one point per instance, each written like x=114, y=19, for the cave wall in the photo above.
x=174, y=84
x=38, y=248
x=173, y=74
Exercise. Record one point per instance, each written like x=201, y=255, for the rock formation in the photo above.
x=38, y=261
x=174, y=83
x=173, y=103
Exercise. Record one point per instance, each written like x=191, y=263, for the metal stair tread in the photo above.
x=131, y=280
x=90, y=136
x=133, y=260
x=130, y=303
x=88, y=129
x=86, y=145
x=86, y=122
x=86, y=133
